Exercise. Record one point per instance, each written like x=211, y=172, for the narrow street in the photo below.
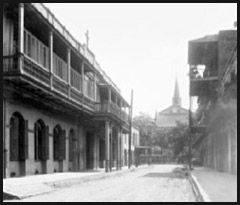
x=156, y=183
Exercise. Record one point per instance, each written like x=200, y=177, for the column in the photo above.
x=51, y=57
x=20, y=35
x=82, y=73
x=95, y=89
x=110, y=148
x=69, y=70
x=109, y=98
x=117, y=147
x=107, y=146
x=121, y=149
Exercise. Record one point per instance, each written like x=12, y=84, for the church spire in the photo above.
x=176, y=97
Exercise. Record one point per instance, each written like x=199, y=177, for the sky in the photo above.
x=143, y=47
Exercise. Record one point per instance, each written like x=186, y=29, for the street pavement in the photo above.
x=156, y=183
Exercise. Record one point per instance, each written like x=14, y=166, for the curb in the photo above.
x=198, y=191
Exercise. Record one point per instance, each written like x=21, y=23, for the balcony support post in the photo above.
x=107, y=145
x=120, y=148
x=69, y=70
x=51, y=58
x=95, y=87
x=82, y=73
x=20, y=35
x=109, y=98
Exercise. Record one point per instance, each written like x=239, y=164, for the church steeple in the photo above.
x=176, y=100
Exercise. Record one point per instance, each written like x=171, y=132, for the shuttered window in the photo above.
x=56, y=137
x=72, y=141
x=62, y=145
x=18, y=139
x=41, y=133
x=45, y=143
x=37, y=140
x=14, y=139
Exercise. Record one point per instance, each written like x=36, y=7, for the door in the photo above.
x=89, y=150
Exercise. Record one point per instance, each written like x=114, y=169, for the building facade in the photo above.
x=135, y=142
x=61, y=112
x=213, y=82
x=169, y=117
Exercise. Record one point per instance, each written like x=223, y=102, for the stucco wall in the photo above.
x=33, y=114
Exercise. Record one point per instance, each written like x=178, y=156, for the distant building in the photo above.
x=169, y=117
x=135, y=142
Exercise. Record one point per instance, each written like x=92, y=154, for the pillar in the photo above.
x=82, y=73
x=94, y=87
x=107, y=146
x=69, y=70
x=51, y=57
x=20, y=35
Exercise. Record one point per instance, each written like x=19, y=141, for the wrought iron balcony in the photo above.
x=111, y=108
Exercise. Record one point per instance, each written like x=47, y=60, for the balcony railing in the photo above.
x=111, y=108
x=36, y=50
x=76, y=80
x=48, y=15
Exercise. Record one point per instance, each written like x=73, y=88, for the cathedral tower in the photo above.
x=176, y=100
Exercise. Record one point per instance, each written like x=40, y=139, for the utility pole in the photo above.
x=190, y=124
x=130, y=135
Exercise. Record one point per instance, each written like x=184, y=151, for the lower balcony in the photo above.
x=40, y=77
x=108, y=108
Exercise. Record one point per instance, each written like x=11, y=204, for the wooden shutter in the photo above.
x=14, y=139
x=71, y=145
x=45, y=143
x=26, y=139
x=63, y=144
x=56, y=144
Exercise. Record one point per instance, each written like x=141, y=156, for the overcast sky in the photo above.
x=144, y=46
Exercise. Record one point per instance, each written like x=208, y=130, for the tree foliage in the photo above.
x=174, y=139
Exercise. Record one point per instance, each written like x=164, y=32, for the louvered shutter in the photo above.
x=14, y=139
x=64, y=144
x=70, y=146
x=56, y=142
x=47, y=141
x=43, y=144
x=26, y=139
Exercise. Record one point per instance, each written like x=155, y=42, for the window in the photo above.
x=41, y=141
x=38, y=133
x=18, y=138
x=59, y=143
x=72, y=141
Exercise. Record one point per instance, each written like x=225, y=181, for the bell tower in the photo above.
x=176, y=100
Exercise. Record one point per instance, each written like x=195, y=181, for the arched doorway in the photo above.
x=41, y=145
x=18, y=144
x=73, y=159
x=59, y=148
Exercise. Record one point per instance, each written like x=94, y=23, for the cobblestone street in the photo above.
x=158, y=183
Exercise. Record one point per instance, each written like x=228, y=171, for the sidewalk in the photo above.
x=215, y=186
x=23, y=187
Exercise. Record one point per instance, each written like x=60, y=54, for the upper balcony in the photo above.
x=36, y=56
x=203, y=61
